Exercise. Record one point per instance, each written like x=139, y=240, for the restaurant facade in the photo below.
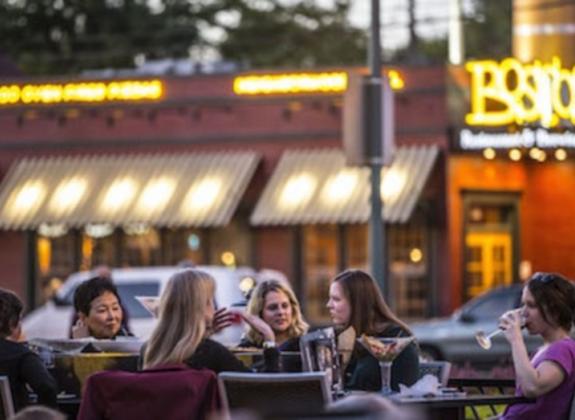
x=233, y=169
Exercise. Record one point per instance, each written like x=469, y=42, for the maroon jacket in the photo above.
x=168, y=392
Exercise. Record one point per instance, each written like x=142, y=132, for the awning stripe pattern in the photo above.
x=186, y=190
x=315, y=186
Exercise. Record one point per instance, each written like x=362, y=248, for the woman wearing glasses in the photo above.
x=548, y=310
x=275, y=303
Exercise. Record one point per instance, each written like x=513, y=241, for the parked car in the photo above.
x=453, y=338
x=52, y=320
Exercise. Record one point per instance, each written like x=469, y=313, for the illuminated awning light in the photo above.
x=298, y=190
x=119, y=195
x=67, y=195
x=54, y=93
x=98, y=230
x=269, y=84
x=27, y=199
x=339, y=187
x=203, y=195
x=52, y=230
x=392, y=184
x=156, y=195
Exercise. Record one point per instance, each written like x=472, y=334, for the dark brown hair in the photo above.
x=555, y=298
x=10, y=312
x=369, y=312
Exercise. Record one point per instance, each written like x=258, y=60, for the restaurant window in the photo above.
x=408, y=268
x=55, y=258
x=98, y=251
x=320, y=258
x=141, y=247
x=231, y=245
x=184, y=245
x=356, y=248
x=490, y=231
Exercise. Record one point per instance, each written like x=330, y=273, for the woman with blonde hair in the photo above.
x=275, y=303
x=357, y=307
x=186, y=319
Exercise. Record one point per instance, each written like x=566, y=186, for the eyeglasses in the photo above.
x=544, y=278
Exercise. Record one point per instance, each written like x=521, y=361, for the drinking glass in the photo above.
x=385, y=350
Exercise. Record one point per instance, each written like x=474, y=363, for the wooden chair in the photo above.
x=267, y=394
x=7, y=404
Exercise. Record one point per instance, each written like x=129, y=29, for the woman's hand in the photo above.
x=80, y=330
x=222, y=319
x=511, y=322
x=259, y=325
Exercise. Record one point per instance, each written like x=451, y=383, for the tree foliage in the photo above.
x=488, y=30
x=67, y=36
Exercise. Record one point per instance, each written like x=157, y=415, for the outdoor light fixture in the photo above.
x=27, y=199
x=52, y=230
x=119, y=195
x=298, y=190
x=203, y=194
x=136, y=229
x=339, y=187
x=156, y=195
x=560, y=154
x=489, y=153
x=392, y=184
x=68, y=195
x=515, y=155
x=98, y=230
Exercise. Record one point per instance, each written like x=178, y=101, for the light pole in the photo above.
x=376, y=225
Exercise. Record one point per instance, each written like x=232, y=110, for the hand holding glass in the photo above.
x=484, y=340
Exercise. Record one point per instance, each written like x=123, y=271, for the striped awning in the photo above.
x=192, y=190
x=315, y=186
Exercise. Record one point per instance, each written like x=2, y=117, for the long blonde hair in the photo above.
x=181, y=324
x=256, y=304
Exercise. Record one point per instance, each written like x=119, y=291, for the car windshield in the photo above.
x=493, y=304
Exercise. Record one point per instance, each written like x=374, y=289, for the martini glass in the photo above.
x=385, y=350
x=151, y=303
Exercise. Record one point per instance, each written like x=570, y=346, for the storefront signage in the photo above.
x=510, y=92
x=82, y=92
x=526, y=138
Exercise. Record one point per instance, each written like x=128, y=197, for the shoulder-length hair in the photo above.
x=256, y=305
x=181, y=324
x=554, y=296
x=369, y=312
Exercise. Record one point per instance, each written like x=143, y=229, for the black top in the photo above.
x=291, y=344
x=22, y=366
x=214, y=356
x=363, y=371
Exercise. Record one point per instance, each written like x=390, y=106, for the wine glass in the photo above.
x=484, y=340
x=385, y=350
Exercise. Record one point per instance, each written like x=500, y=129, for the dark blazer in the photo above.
x=22, y=366
x=363, y=372
x=173, y=392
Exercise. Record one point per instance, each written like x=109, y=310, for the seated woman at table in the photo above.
x=356, y=305
x=185, y=321
x=548, y=310
x=275, y=303
x=99, y=309
x=22, y=366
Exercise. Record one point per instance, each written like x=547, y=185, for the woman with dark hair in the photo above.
x=99, y=309
x=22, y=366
x=357, y=305
x=548, y=310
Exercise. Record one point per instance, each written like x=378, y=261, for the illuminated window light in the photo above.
x=52, y=230
x=292, y=83
x=489, y=153
x=137, y=229
x=28, y=198
x=340, y=187
x=560, y=154
x=156, y=195
x=515, y=155
x=98, y=230
x=203, y=195
x=415, y=255
x=298, y=191
x=67, y=195
x=392, y=185
x=119, y=195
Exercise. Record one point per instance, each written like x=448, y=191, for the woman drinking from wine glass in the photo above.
x=275, y=303
x=548, y=310
x=356, y=305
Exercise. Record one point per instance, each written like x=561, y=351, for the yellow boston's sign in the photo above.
x=510, y=92
x=54, y=93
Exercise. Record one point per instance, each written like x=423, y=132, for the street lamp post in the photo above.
x=376, y=225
